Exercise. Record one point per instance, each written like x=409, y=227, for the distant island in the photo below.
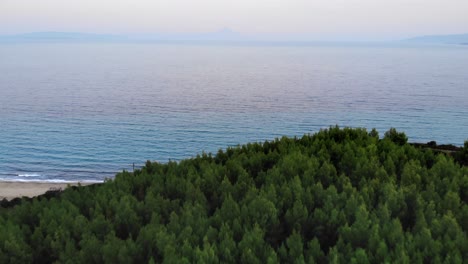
x=61, y=37
x=224, y=34
x=460, y=39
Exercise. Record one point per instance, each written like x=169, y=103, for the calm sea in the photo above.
x=87, y=111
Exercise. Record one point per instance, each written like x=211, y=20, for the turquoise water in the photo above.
x=86, y=111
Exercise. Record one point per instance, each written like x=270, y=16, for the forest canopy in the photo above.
x=341, y=195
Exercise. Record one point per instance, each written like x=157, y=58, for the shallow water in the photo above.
x=87, y=111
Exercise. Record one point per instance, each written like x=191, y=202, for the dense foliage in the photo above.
x=338, y=196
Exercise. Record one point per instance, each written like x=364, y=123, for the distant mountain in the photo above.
x=224, y=34
x=441, y=39
x=60, y=37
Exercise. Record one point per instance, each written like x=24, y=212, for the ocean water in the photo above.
x=87, y=111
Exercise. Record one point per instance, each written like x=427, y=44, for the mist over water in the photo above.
x=86, y=111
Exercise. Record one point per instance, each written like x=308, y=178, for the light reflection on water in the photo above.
x=87, y=111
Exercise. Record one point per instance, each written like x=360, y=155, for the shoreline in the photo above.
x=11, y=189
x=16, y=189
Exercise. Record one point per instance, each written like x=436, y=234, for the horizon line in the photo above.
x=224, y=34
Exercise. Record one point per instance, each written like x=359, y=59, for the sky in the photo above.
x=310, y=19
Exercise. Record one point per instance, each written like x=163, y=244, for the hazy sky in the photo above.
x=360, y=19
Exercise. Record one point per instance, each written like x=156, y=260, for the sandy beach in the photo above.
x=11, y=190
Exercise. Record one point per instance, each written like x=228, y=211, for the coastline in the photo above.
x=16, y=189
x=11, y=189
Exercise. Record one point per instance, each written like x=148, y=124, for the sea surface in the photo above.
x=87, y=111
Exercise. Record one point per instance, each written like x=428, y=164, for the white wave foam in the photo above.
x=29, y=175
x=48, y=180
